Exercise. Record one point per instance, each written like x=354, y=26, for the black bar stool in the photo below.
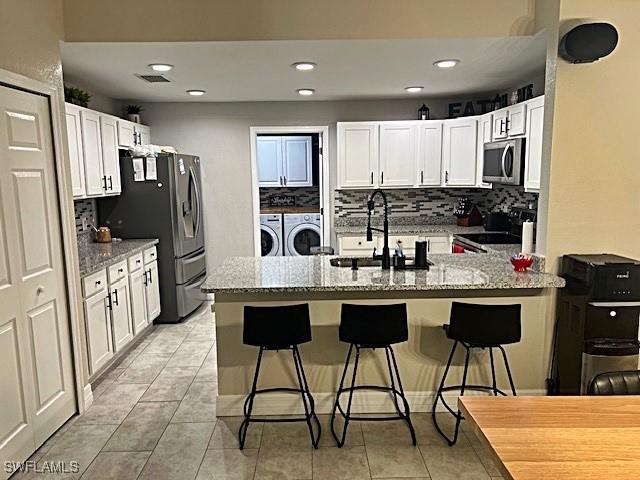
x=279, y=328
x=478, y=326
x=372, y=326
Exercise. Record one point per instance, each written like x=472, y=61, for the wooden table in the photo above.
x=559, y=437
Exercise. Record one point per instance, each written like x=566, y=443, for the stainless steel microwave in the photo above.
x=503, y=162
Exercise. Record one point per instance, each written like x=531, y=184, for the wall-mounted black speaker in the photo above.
x=588, y=42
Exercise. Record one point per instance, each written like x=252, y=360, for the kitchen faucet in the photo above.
x=386, y=260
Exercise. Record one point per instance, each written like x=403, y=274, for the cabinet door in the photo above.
x=408, y=243
x=533, y=145
x=126, y=134
x=398, y=154
x=517, y=121
x=144, y=134
x=153, y=291
x=76, y=153
x=121, y=314
x=110, y=154
x=485, y=124
x=459, y=152
x=356, y=245
x=357, y=155
x=94, y=177
x=499, y=130
x=137, y=286
x=98, y=324
x=297, y=161
x=430, y=153
x=269, y=159
x=439, y=244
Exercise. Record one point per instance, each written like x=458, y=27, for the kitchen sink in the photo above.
x=362, y=262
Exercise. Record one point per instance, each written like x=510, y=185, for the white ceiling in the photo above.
x=347, y=69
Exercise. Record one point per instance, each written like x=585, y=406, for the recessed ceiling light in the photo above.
x=160, y=67
x=304, y=66
x=447, y=63
x=196, y=93
x=414, y=89
x=305, y=92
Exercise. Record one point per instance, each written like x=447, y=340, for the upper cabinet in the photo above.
x=358, y=154
x=94, y=139
x=430, y=153
x=284, y=161
x=509, y=122
x=485, y=125
x=398, y=152
x=459, y=147
x=533, y=145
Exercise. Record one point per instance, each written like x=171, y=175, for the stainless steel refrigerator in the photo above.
x=168, y=208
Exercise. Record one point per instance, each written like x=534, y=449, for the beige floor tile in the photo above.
x=209, y=370
x=144, y=369
x=487, y=459
x=116, y=466
x=202, y=333
x=395, y=461
x=170, y=385
x=100, y=388
x=354, y=432
x=179, y=452
x=225, y=435
x=228, y=465
x=286, y=434
x=142, y=428
x=445, y=463
x=428, y=435
x=163, y=345
x=394, y=432
x=198, y=405
x=346, y=463
x=190, y=354
x=112, y=407
x=284, y=463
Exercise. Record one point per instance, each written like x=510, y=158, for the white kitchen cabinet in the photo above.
x=357, y=245
x=358, y=154
x=93, y=174
x=121, y=324
x=98, y=325
x=137, y=291
x=485, y=124
x=510, y=122
x=429, y=153
x=459, y=152
x=398, y=153
x=284, y=161
x=152, y=291
x=126, y=134
x=144, y=134
x=297, y=161
x=110, y=155
x=76, y=152
x=533, y=144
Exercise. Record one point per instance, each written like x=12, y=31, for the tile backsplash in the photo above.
x=436, y=202
x=85, y=209
x=305, y=196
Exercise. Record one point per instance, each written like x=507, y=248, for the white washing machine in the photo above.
x=271, y=235
x=301, y=232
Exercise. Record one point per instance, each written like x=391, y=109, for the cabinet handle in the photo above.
x=145, y=278
x=506, y=126
x=421, y=176
x=138, y=261
x=285, y=181
x=120, y=270
x=98, y=283
x=135, y=138
x=446, y=176
x=381, y=178
x=110, y=183
x=139, y=139
x=104, y=182
x=371, y=178
x=150, y=279
x=115, y=297
x=109, y=305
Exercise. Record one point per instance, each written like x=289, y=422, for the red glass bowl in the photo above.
x=521, y=264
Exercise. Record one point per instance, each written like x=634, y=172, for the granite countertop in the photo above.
x=403, y=225
x=241, y=275
x=95, y=256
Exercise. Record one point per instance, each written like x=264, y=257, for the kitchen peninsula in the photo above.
x=476, y=278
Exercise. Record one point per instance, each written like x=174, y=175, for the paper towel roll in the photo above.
x=527, y=237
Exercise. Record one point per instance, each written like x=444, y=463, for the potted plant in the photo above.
x=133, y=113
x=77, y=96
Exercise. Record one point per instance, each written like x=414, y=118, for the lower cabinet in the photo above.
x=98, y=326
x=121, y=314
x=153, y=291
x=138, y=295
x=358, y=246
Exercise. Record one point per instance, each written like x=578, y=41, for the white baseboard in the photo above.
x=363, y=402
x=88, y=396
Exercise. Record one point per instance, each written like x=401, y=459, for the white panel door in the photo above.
x=297, y=161
x=269, y=160
x=517, y=124
x=398, y=154
x=144, y=134
x=533, y=145
x=126, y=134
x=153, y=291
x=500, y=124
x=485, y=124
x=110, y=154
x=357, y=155
x=430, y=153
x=121, y=323
x=459, y=152
x=36, y=376
x=98, y=325
x=76, y=153
x=91, y=139
x=137, y=283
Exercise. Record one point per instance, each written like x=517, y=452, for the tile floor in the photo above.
x=154, y=418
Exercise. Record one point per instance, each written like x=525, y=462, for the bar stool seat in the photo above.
x=477, y=326
x=279, y=328
x=370, y=327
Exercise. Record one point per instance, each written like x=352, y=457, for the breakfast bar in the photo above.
x=325, y=283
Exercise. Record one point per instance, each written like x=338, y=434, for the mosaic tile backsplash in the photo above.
x=305, y=196
x=435, y=202
x=85, y=209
